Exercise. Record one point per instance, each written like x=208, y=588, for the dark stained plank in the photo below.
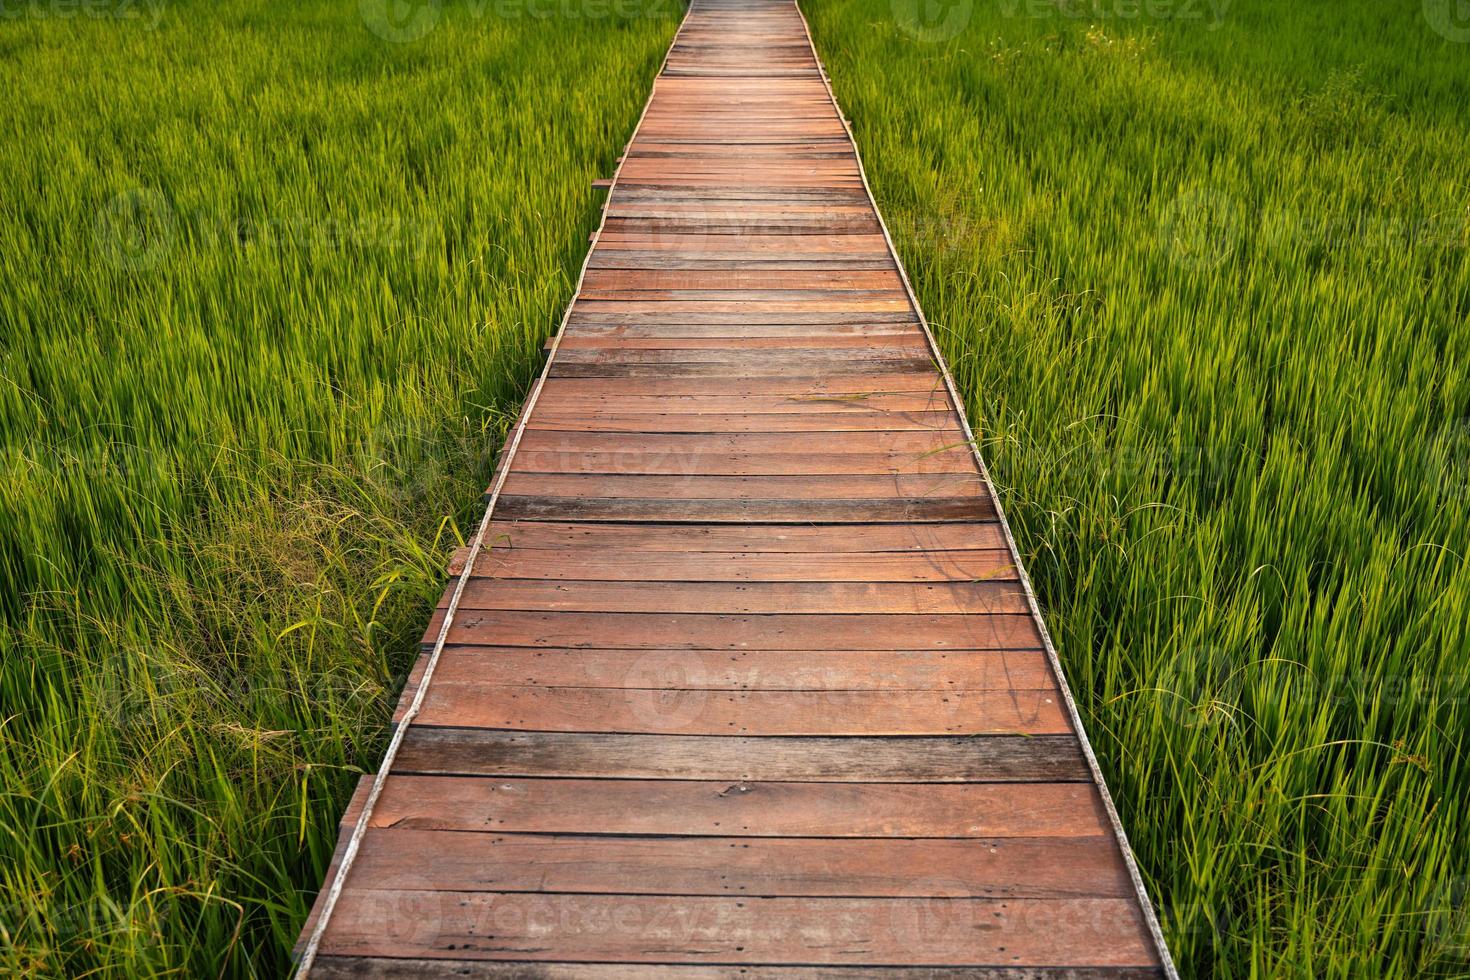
x=507, y=535
x=921, y=759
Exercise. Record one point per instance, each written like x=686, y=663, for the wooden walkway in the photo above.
x=742, y=677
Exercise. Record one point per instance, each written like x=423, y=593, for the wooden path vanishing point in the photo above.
x=742, y=677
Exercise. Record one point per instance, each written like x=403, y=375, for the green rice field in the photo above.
x=274, y=278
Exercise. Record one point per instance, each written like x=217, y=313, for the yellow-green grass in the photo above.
x=1204, y=282
x=274, y=277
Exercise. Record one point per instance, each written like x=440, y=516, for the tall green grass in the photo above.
x=271, y=288
x=1204, y=282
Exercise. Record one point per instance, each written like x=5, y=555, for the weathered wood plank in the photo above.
x=679, y=462
x=505, y=535
x=615, y=565
x=476, y=704
x=638, y=928
x=909, y=760
x=759, y=867
x=381, y=968
x=718, y=631
x=688, y=487
x=747, y=670
x=933, y=598
x=744, y=809
x=702, y=511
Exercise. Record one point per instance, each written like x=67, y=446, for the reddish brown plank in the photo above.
x=754, y=809
x=752, y=670
x=381, y=968
x=956, y=460
x=1078, y=867
x=711, y=631
x=755, y=489
x=871, y=598
x=519, y=926
x=726, y=566
x=703, y=712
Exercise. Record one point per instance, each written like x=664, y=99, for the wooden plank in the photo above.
x=812, y=759
x=905, y=342
x=720, y=713
x=1081, y=867
x=739, y=809
x=851, y=279
x=799, y=443
x=691, y=487
x=868, y=598
x=872, y=421
x=954, y=460
x=718, y=631
x=749, y=670
x=801, y=511
x=728, y=566
x=806, y=386
x=380, y=968
x=765, y=539
x=553, y=399
x=636, y=928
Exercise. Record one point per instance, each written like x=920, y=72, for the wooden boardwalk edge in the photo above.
x=515, y=694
